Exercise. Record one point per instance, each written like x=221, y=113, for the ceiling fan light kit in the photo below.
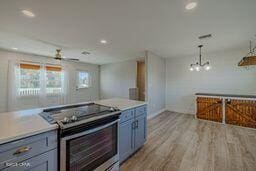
x=58, y=55
x=198, y=66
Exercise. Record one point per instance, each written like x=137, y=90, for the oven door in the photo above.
x=94, y=149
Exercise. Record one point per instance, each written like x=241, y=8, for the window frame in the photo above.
x=59, y=69
x=77, y=79
x=35, y=65
x=42, y=68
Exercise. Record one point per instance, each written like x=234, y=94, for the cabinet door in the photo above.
x=209, y=108
x=140, y=131
x=26, y=148
x=126, y=140
x=240, y=112
x=44, y=162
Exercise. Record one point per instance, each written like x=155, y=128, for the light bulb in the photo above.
x=207, y=68
x=197, y=68
x=191, y=67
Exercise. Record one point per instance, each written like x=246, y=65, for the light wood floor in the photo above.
x=180, y=142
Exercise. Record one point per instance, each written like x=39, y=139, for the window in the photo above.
x=29, y=79
x=53, y=80
x=83, y=79
x=32, y=78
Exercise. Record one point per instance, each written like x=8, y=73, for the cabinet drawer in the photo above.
x=126, y=115
x=140, y=110
x=26, y=148
x=44, y=162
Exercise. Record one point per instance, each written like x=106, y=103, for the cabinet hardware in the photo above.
x=228, y=101
x=22, y=150
x=133, y=125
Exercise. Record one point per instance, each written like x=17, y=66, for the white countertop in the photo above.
x=122, y=104
x=21, y=124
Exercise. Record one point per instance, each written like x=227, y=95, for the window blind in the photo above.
x=30, y=66
x=53, y=68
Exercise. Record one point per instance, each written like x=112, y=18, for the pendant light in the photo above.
x=199, y=65
x=250, y=58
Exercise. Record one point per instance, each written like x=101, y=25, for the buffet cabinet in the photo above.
x=233, y=110
x=132, y=131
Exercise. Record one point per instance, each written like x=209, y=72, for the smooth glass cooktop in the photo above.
x=83, y=111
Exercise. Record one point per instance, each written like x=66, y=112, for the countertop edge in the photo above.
x=26, y=135
x=133, y=106
x=109, y=103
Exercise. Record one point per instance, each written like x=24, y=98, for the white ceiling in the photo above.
x=129, y=26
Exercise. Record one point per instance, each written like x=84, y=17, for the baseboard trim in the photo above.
x=182, y=111
x=157, y=113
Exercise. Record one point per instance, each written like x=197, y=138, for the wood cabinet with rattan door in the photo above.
x=240, y=112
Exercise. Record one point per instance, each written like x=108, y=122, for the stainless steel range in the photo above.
x=88, y=136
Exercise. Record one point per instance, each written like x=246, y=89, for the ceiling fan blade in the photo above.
x=72, y=59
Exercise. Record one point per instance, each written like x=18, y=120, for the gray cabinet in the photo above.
x=44, y=162
x=37, y=152
x=125, y=140
x=132, y=131
x=140, y=131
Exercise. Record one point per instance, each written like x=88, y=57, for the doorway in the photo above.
x=141, y=80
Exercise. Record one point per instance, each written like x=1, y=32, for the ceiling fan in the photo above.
x=60, y=58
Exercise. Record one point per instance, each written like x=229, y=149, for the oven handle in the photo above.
x=89, y=131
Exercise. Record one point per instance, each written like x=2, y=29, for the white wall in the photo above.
x=117, y=78
x=32, y=102
x=224, y=77
x=155, y=83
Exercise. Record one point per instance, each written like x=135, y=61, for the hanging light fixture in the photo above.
x=250, y=58
x=199, y=65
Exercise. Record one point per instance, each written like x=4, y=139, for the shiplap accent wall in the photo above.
x=155, y=83
x=117, y=78
x=224, y=77
x=81, y=95
x=3, y=83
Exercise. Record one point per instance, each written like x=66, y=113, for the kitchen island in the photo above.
x=21, y=124
x=227, y=108
x=27, y=132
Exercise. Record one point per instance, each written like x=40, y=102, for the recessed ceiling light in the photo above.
x=28, y=13
x=191, y=5
x=103, y=41
x=14, y=48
